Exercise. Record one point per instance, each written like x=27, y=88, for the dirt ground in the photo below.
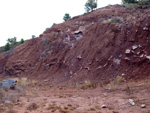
x=113, y=97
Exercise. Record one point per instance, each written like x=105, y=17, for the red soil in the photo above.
x=86, y=47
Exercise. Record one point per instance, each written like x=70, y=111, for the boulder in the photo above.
x=8, y=84
x=32, y=106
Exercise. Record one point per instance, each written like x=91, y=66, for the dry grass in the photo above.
x=11, y=111
x=114, y=85
x=113, y=20
x=61, y=109
x=88, y=85
x=20, y=90
x=54, y=107
x=119, y=80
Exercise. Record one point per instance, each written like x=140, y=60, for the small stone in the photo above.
x=45, y=80
x=124, y=103
x=7, y=102
x=123, y=74
x=79, y=57
x=134, y=47
x=145, y=28
x=142, y=55
x=101, y=19
x=32, y=106
x=60, y=88
x=127, y=51
x=143, y=106
x=115, y=112
x=103, y=106
x=131, y=102
x=148, y=57
x=104, y=94
x=17, y=103
x=1, y=105
x=127, y=58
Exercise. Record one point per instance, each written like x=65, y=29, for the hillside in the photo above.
x=98, y=46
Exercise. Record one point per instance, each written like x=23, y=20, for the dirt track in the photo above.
x=64, y=100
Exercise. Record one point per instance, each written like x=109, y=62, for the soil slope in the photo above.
x=108, y=42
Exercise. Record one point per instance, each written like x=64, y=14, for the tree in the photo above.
x=90, y=5
x=22, y=41
x=144, y=2
x=53, y=24
x=66, y=17
x=12, y=41
x=33, y=36
x=7, y=47
x=129, y=1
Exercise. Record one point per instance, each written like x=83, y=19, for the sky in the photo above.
x=24, y=18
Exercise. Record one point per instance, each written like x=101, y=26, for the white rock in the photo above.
x=131, y=102
x=123, y=74
x=148, y=57
x=103, y=106
x=145, y=28
x=116, y=61
x=127, y=51
x=126, y=58
x=7, y=102
x=79, y=57
x=140, y=46
x=124, y=103
x=142, y=55
x=134, y=47
x=143, y=106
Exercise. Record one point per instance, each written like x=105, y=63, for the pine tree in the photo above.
x=22, y=41
x=66, y=17
x=90, y=5
x=7, y=47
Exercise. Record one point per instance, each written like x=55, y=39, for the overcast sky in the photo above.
x=24, y=18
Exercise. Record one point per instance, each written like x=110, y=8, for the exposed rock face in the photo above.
x=93, y=46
